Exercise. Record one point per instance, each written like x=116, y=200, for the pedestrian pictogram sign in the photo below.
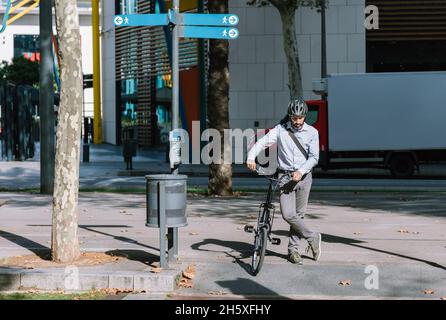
x=208, y=32
x=136, y=20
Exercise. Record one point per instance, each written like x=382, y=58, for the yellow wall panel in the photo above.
x=185, y=5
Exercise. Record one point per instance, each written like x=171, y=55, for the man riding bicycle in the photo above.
x=297, y=157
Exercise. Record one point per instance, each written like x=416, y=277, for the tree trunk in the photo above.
x=220, y=175
x=287, y=10
x=64, y=237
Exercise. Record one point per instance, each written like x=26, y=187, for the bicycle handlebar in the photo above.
x=261, y=171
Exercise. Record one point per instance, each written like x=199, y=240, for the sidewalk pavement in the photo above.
x=379, y=245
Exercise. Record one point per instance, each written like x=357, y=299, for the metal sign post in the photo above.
x=175, y=82
x=188, y=25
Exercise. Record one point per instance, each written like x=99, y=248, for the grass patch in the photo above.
x=92, y=295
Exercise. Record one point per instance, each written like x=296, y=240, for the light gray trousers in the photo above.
x=293, y=205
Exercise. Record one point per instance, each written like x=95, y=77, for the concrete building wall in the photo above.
x=258, y=69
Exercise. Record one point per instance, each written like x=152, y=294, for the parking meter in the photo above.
x=175, y=148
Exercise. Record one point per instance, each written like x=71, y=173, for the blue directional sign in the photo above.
x=134, y=20
x=199, y=19
x=208, y=32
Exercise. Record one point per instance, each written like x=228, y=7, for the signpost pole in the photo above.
x=175, y=72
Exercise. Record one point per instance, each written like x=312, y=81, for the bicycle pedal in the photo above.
x=275, y=241
x=249, y=228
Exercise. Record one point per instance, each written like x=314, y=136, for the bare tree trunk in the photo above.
x=287, y=10
x=65, y=242
x=220, y=175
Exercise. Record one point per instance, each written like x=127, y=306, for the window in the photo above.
x=312, y=117
x=126, y=7
x=27, y=46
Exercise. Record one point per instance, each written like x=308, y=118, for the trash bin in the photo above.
x=175, y=200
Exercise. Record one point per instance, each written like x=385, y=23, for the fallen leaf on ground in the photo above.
x=31, y=291
x=403, y=231
x=358, y=232
x=189, y=273
x=429, y=291
x=217, y=293
x=345, y=282
x=193, y=233
x=115, y=291
x=156, y=270
x=185, y=283
x=2, y=203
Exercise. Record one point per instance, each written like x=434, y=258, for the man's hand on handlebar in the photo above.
x=251, y=165
x=297, y=176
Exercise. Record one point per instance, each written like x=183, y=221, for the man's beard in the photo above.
x=297, y=126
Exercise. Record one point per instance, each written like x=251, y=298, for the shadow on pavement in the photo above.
x=89, y=227
x=355, y=243
x=88, y=200
x=135, y=255
x=250, y=289
x=120, y=238
x=423, y=204
x=238, y=251
x=39, y=250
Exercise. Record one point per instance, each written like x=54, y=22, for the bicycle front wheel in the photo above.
x=260, y=242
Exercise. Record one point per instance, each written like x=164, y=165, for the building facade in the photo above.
x=258, y=70
x=21, y=38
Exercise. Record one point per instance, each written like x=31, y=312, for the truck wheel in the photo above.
x=402, y=165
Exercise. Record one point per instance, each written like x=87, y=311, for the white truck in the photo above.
x=389, y=120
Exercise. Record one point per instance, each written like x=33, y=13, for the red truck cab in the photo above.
x=318, y=117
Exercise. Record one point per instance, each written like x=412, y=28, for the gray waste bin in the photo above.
x=175, y=204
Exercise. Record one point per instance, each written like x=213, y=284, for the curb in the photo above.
x=69, y=280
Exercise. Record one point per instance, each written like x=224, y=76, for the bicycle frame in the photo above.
x=264, y=226
x=263, y=218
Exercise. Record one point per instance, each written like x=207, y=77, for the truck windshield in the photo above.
x=311, y=118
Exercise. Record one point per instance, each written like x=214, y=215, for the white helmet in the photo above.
x=297, y=107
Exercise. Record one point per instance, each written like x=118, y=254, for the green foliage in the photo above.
x=300, y=3
x=20, y=71
x=3, y=68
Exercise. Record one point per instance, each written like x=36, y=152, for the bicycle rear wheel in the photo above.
x=260, y=242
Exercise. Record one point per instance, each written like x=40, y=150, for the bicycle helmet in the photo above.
x=297, y=107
